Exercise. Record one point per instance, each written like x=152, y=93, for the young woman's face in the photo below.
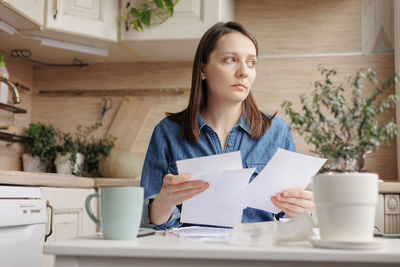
x=230, y=71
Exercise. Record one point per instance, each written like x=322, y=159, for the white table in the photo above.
x=169, y=250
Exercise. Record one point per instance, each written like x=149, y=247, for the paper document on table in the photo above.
x=285, y=170
x=209, y=164
x=200, y=231
x=218, y=204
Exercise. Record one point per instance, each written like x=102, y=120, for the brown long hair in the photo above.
x=257, y=121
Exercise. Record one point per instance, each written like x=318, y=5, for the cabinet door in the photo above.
x=190, y=20
x=69, y=216
x=177, y=38
x=21, y=14
x=89, y=18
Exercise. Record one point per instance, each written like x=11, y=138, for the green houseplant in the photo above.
x=79, y=154
x=41, y=149
x=93, y=148
x=68, y=159
x=344, y=132
x=140, y=13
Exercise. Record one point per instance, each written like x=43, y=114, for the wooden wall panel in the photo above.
x=287, y=27
x=22, y=73
x=114, y=76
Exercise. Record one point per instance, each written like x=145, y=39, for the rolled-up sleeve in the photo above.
x=288, y=139
x=173, y=222
x=155, y=167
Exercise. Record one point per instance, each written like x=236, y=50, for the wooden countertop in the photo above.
x=61, y=180
x=168, y=249
x=389, y=188
x=71, y=181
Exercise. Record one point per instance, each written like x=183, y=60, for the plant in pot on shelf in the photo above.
x=344, y=131
x=40, y=150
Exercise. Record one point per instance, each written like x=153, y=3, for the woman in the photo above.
x=221, y=117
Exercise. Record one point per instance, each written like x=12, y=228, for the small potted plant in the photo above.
x=344, y=131
x=40, y=150
x=68, y=159
x=79, y=154
x=93, y=149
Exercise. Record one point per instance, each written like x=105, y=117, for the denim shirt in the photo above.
x=166, y=147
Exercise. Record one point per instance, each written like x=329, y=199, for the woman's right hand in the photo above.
x=178, y=188
x=175, y=190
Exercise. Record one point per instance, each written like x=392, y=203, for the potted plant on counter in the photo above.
x=40, y=150
x=79, y=154
x=68, y=159
x=344, y=132
x=93, y=149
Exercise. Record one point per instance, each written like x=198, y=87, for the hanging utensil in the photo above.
x=107, y=104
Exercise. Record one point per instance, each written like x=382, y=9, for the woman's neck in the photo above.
x=222, y=118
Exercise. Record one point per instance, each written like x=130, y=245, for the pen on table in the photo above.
x=146, y=234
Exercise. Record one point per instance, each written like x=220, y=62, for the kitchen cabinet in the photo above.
x=95, y=23
x=190, y=20
x=96, y=19
x=70, y=219
x=177, y=38
x=23, y=15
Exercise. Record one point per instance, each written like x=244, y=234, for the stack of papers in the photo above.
x=230, y=192
x=199, y=233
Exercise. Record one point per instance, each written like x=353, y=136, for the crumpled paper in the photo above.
x=298, y=228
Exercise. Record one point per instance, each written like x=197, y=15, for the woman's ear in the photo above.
x=203, y=73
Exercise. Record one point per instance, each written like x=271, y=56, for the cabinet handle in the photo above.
x=51, y=220
x=55, y=9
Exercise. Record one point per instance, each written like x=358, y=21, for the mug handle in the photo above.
x=89, y=209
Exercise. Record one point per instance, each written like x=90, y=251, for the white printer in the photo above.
x=22, y=226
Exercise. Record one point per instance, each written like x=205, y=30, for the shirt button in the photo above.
x=229, y=144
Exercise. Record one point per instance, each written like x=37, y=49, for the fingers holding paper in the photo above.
x=175, y=190
x=178, y=188
x=294, y=201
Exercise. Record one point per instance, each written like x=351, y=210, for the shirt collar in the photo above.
x=201, y=121
x=241, y=123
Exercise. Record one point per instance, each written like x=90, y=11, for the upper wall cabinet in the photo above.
x=190, y=20
x=177, y=38
x=23, y=15
x=89, y=18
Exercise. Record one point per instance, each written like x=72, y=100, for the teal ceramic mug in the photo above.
x=120, y=211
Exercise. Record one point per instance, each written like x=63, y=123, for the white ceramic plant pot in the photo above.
x=64, y=165
x=345, y=205
x=32, y=164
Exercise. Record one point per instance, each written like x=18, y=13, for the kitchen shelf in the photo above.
x=8, y=137
x=115, y=92
x=12, y=108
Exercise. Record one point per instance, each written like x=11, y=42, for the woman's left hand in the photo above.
x=294, y=201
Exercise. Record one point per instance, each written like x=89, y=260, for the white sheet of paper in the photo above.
x=285, y=170
x=218, y=204
x=210, y=164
